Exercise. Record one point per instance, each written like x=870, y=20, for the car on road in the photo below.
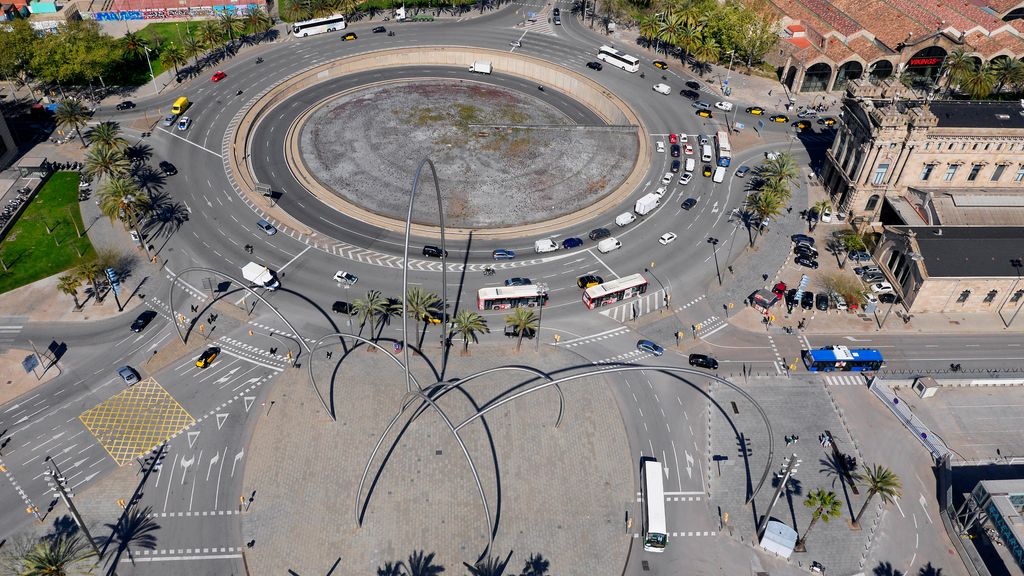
x=685, y=178
x=688, y=150
x=723, y=105
x=169, y=120
x=518, y=281
x=599, y=233
x=662, y=88
x=821, y=301
x=704, y=113
x=660, y=65
x=802, y=238
x=184, y=123
x=128, y=374
x=673, y=138
x=862, y=270
x=207, y=357
x=143, y=320
x=667, y=238
x=889, y=298
x=266, y=227
x=706, y=170
x=649, y=347
x=771, y=155
x=779, y=118
x=689, y=202
x=572, y=243
x=807, y=300
x=588, y=280
x=827, y=121
x=703, y=361
x=556, y=11
x=595, y=66
x=503, y=254
x=741, y=172
x=881, y=287
x=693, y=84
x=341, y=307
x=806, y=262
x=379, y=29
x=690, y=94
x=434, y=252
x=625, y=218
x=167, y=168
x=218, y=76
x=675, y=167
x=660, y=146
x=801, y=124
x=860, y=256
x=349, y=36
x=779, y=289
x=702, y=105
x=675, y=150
x=126, y=105
x=807, y=113
x=667, y=178
x=342, y=277
x=755, y=110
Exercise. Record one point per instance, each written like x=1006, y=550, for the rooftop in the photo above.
x=968, y=251
x=966, y=207
x=964, y=114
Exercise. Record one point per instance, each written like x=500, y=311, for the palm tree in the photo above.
x=211, y=33
x=826, y=507
x=106, y=162
x=978, y=84
x=91, y=273
x=421, y=564
x=369, y=308
x=257, y=21
x=68, y=284
x=957, y=65
x=192, y=47
x=468, y=325
x=491, y=566
x=1008, y=71
x=107, y=135
x=668, y=30
x=133, y=46
x=175, y=56
x=649, y=27
x=521, y=320
x=72, y=114
x=818, y=209
x=706, y=52
x=391, y=569
x=230, y=25
x=688, y=37
x=58, y=555
x=536, y=565
x=881, y=481
x=121, y=199
x=777, y=187
x=764, y=206
x=782, y=167
x=421, y=306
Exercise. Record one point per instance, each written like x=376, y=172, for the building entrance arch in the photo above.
x=926, y=64
x=851, y=70
x=880, y=70
x=816, y=78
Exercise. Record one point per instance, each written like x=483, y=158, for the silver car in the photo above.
x=128, y=374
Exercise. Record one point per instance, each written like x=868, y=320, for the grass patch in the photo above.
x=30, y=251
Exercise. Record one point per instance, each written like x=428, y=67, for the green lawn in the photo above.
x=29, y=251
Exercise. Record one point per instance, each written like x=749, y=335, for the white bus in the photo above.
x=655, y=536
x=319, y=25
x=614, y=291
x=507, y=297
x=616, y=58
x=724, y=149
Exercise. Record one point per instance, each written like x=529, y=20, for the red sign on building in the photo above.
x=926, y=61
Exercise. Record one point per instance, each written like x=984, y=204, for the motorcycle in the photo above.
x=391, y=33
x=259, y=60
x=488, y=271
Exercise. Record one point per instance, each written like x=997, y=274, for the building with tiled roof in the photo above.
x=826, y=43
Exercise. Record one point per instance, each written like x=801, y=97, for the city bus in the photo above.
x=616, y=58
x=724, y=149
x=655, y=536
x=319, y=25
x=614, y=291
x=842, y=359
x=505, y=297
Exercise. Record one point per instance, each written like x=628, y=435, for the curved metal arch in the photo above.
x=174, y=281
x=561, y=397
x=405, y=270
x=316, y=346
x=673, y=369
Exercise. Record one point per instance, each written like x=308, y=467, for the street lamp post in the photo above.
x=714, y=250
x=728, y=73
x=668, y=297
x=65, y=493
x=153, y=76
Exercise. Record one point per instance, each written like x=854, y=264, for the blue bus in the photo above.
x=842, y=359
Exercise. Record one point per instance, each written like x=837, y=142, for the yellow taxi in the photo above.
x=207, y=357
x=780, y=118
x=707, y=170
x=827, y=121
x=801, y=124
x=705, y=113
x=661, y=65
x=588, y=280
x=756, y=111
x=349, y=36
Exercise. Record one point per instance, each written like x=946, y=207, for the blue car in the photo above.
x=572, y=243
x=502, y=254
x=651, y=347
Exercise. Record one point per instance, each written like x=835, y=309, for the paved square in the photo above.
x=137, y=419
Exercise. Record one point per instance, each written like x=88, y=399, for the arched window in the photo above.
x=816, y=78
x=872, y=203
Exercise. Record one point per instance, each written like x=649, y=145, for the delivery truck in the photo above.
x=480, y=67
x=260, y=275
x=646, y=203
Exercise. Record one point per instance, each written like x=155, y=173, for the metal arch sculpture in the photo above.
x=174, y=281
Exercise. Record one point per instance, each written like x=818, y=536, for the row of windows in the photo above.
x=976, y=146
x=951, y=171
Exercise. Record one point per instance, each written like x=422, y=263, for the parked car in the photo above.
x=588, y=280
x=599, y=233
x=838, y=301
x=689, y=202
x=889, y=298
x=502, y=254
x=805, y=251
x=650, y=347
x=807, y=300
x=572, y=243
x=881, y=287
x=802, y=238
x=806, y=262
x=872, y=277
x=779, y=289
x=862, y=270
x=860, y=256
x=143, y=320
x=826, y=215
x=791, y=297
x=821, y=301
x=703, y=361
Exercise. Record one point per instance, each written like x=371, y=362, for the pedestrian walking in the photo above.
x=764, y=277
x=329, y=354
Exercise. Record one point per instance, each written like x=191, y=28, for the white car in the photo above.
x=662, y=89
x=666, y=178
x=624, y=219
x=826, y=216
x=667, y=238
x=515, y=44
x=880, y=287
x=184, y=123
x=685, y=178
x=688, y=150
x=723, y=105
x=661, y=191
x=660, y=145
x=771, y=155
x=342, y=277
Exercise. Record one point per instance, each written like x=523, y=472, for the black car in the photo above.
x=675, y=150
x=433, y=252
x=807, y=300
x=511, y=332
x=689, y=203
x=889, y=298
x=791, y=297
x=143, y=320
x=599, y=233
x=807, y=262
x=675, y=166
x=518, y=282
x=821, y=301
x=379, y=29
x=126, y=105
x=703, y=361
x=572, y=243
x=167, y=168
x=595, y=65
x=556, y=12
x=805, y=251
x=689, y=94
x=341, y=307
x=693, y=84
x=798, y=238
x=588, y=280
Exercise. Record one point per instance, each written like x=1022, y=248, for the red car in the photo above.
x=219, y=76
x=673, y=139
x=779, y=289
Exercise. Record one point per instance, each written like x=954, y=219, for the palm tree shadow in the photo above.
x=830, y=466
x=135, y=528
x=929, y=570
x=886, y=569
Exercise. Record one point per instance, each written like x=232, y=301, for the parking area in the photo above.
x=978, y=423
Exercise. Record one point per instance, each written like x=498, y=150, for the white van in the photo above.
x=608, y=244
x=690, y=164
x=545, y=245
x=719, y=174
x=705, y=153
x=624, y=218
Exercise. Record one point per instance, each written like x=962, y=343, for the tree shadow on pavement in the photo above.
x=885, y=569
x=831, y=467
x=134, y=529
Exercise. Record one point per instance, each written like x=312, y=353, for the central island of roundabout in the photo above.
x=513, y=161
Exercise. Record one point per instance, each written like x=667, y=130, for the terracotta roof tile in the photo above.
x=832, y=14
x=989, y=46
x=797, y=11
x=799, y=42
x=837, y=51
x=866, y=49
x=888, y=24
x=1001, y=6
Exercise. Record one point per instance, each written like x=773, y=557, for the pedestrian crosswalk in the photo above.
x=636, y=307
x=9, y=330
x=845, y=380
x=622, y=330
